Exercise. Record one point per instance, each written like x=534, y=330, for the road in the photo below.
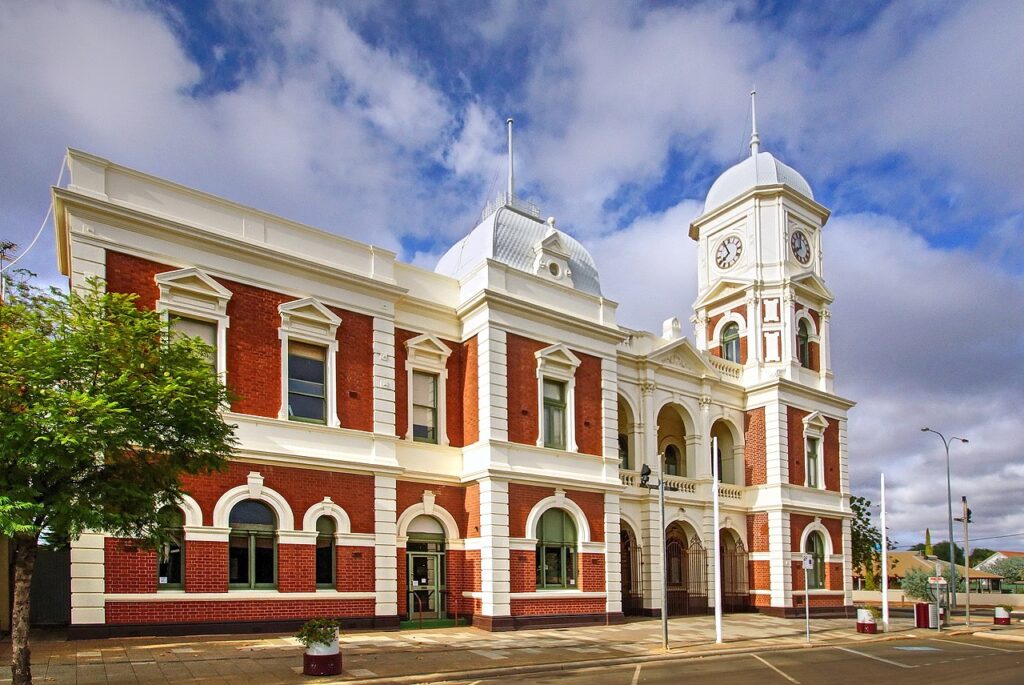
x=959, y=660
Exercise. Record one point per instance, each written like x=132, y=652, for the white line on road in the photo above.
x=971, y=644
x=876, y=658
x=787, y=677
x=636, y=674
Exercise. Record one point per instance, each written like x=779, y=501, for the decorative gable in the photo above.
x=552, y=258
x=813, y=285
x=723, y=290
x=427, y=351
x=558, y=359
x=681, y=354
x=815, y=424
x=308, y=318
x=192, y=290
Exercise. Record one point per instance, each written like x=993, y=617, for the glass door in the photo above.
x=424, y=586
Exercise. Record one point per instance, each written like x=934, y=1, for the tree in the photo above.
x=980, y=554
x=866, y=539
x=928, y=543
x=942, y=551
x=101, y=413
x=915, y=585
x=1011, y=569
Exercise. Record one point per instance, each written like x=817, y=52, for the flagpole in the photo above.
x=885, y=566
x=717, y=540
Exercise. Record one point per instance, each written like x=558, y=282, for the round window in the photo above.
x=554, y=269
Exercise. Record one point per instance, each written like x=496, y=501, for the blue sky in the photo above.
x=384, y=122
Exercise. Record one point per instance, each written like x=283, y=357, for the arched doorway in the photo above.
x=631, y=560
x=425, y=568
x=685, y=571
x=733, y=573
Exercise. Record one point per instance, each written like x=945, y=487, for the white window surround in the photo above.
x=814, y=428
x=254, y=489
x=730, y=317
x=426, y=353
x=558, y=363
x=309, y=321
x=343, y=534
x=426, y=507
x=812, y=330
x=560, y=501
x=193, y=294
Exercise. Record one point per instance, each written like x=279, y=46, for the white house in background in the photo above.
x=998, y=556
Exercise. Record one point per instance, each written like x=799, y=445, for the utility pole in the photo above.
x=966, y=519
x=6, y=246
x=645, y=475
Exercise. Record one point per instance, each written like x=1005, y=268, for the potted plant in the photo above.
x=1002, y=617
x=322, y=656
x=866, y=620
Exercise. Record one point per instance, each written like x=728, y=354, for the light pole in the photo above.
x=951, y=589
x=645, y=475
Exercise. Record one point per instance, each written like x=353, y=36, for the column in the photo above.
x=492, y=369
x=824, y=353
x=383, y=376
x=652, y=538
x=702, y=450
x=779, y=553
x=87, y=580
x=494, y=556
x=610, y=408
x=612, y=554
x=385, y=530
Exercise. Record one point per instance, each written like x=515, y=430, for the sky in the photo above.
x=384, y=122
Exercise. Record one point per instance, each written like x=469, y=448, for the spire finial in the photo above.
x=755, y=140
x=511, y=166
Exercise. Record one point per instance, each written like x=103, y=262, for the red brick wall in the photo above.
x=129, y=568
x=817, y=600
x=798, y=522
x=522, y=570
x=355, y=569
x=523, y=422
x=522, y=498
x=206, y=566
x=403, y=583
x=459, y=580
x=128, y=274
x=592, y=572
x=254, y=349
x=472, y=510
x=795, y=423
x=588, y=404
x=470, y=393
x=355, y=370
x=830, y=449
x=236, y=610
x=301, y=487
x=453, y=394
x=451, y=498
x=757, y=531
x=557, y=607
x=760, y=575
x=761, y=600
x=296, y=568
x=402, y=336
x=755, y=454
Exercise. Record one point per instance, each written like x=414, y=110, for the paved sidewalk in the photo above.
x=425, y=655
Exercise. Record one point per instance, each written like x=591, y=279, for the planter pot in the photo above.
x=322, y=659
x=1002, y=617
x=866, y=622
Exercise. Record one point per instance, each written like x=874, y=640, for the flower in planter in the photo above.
x=318, y=631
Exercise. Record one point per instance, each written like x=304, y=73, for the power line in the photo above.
x=60, y=177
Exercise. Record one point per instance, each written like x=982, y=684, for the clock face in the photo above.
x=801, y=247
x=728, y=252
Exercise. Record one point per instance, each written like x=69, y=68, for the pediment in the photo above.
x=558, y=354
x=724, y=289
x=194, y=282
x=816, y=421
x=815, y=286
x=681, y=354
x=310, y=310
x=428, y=344
x=552, y=244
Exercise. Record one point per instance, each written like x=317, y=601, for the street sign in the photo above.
x=809, y=562
x=936, y=580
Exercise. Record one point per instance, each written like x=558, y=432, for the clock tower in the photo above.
x=762, y=301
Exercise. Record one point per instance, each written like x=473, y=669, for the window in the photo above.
x=252, y=552
x=720, y=465
x=672, y=460
x=803, y=344
x=554, y=414
x=813, y=463
x=307, y=383
x=815, y=546
x=325, y=565
x=424, y=407
x=624, y=450
x=556, y=550
x=205, y=331
x=731, y=342
x=170, y=563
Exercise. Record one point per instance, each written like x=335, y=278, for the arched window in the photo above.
x=672, y=460
x=170, y=566
x=731, y=342
x=252, y=548
x=325, y=565
x=815, y=546
x=624, y=450
x=556, y=550
x=803, y=344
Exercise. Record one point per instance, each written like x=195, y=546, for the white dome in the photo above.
x=509, y=236
x=761, y=169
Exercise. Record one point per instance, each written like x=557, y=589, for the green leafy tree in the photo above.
x=1011, y=569
x=101, y=413
x=980, y=554
x=866, y=539
x=928, y=543
x=942, y=551
x=915, y=585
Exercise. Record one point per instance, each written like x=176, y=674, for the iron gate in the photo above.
x=687, y=577
x=735, y=585
x=631, y=561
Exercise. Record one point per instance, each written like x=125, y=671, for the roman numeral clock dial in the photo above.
x=728, y=252
x=801, y=247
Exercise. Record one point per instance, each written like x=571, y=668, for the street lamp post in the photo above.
x=951, y=588
x=645, y=474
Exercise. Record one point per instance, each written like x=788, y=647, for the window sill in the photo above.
x=236, y=595
x=558, y=593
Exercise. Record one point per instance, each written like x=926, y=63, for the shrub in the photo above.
x=318, y=631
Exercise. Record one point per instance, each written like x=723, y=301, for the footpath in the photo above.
x=422, y=656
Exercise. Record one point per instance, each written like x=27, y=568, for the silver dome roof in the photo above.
x=757, y=170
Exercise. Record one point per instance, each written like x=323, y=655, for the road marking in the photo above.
x=787, y=677
x=971, y=644
x=636, y=674
x=871, y=656
x=488, y=654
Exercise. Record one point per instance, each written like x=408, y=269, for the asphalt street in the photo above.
x=960, y=660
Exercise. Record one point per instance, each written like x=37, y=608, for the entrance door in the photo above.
x=424, y=586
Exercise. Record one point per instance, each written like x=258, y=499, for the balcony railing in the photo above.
x=726, y=367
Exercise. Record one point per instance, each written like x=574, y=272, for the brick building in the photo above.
x=467, y=441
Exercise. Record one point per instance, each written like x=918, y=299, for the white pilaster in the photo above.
x=385, y=539
x=492, y=370
x=652, y=538
x=494, y=555
x=847, y=562
x=88, y=570
x=778, y=550
x=776, y=432
x=609, y=408
x=612, y=552
x=87, y=261
x=383, y=376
